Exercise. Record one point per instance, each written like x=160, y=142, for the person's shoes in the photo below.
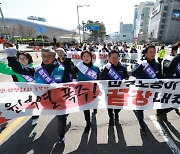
x=111, y=122
x=143, y=131
x=34, y=122
x=3, y=126
x=95, y=111
x=87, y=128
x=177, y=112
x=162, y=117
x=61, y=138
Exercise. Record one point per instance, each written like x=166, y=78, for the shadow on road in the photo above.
x=149, y=143
x=21, y=142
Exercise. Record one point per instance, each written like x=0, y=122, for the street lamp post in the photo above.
x=6, y=28
x=83, y=23
x=78, y=18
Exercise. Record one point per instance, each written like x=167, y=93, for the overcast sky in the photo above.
x=63, y=13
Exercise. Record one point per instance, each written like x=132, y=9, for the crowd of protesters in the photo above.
x=62, y=70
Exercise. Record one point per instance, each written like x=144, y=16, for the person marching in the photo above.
x=120, y=72
x=146, y=69
x=62, y=61
x=86, y=63
x=133, y=49
x=171, y=70
x=51, y=69
x=161, y=54
x=25, y=59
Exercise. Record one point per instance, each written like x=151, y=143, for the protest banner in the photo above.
x=26, y=99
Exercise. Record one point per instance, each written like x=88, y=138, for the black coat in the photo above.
x=171, y=69
x=139, y=73
x=120, y=69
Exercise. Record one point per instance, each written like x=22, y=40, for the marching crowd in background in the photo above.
x=62, y=70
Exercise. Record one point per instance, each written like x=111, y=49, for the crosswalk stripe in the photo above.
x=165, y=136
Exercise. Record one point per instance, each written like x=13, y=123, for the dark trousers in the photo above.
x=111, y=113
x=62, y=124
x=163, y=111
x=160, y=60
x=140, y=117
x=87, y=116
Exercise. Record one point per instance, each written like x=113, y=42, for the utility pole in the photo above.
x=4, y=23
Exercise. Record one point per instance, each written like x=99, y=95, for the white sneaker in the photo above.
x=34, y=122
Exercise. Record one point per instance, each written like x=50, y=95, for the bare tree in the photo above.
x=12, y=30
x=21, y=30
x=73, y=34
x=29, y=31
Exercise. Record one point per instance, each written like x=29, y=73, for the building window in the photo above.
x=164, y=14
x=162, y=27
x=165, y=8
x=163, y=20
x=161, y=32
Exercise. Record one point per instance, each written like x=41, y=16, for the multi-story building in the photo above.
x=126, y=32
x=164, y=23
x=141, y=20
x=134, y=22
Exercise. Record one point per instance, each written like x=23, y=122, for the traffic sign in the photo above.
x=41, y=29
x=41, y=19
x=92, y=27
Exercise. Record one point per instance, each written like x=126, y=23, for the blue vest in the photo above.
x=57, y=74
x=82, y=77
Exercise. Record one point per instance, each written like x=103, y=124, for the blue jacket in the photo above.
x=56, y=74
x=56, y=71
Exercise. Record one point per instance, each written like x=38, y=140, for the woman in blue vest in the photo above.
x=86, y=57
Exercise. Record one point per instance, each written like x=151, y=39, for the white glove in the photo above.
x=10, y=52
x=37, y=68
x=69, y=54
x=178, y=51
x=144, y=63
x=108, y=65
x=156, y=80
x=3, y=59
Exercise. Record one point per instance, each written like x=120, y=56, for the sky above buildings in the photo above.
x=63, y=13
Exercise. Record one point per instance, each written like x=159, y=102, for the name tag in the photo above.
x=113, y=74
x=178, y=68
x=150, y=71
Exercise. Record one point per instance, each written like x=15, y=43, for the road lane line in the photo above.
x=10, y=128
x=165, y=136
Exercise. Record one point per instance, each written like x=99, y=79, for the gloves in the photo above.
x=69, y=54
x=2, y=59
x=108, y=65
x=144, y=63
x=37, y=68
x=10, y=52
x=178, y=51
x=156, y=80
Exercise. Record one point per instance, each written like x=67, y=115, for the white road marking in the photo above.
x=165, y=136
